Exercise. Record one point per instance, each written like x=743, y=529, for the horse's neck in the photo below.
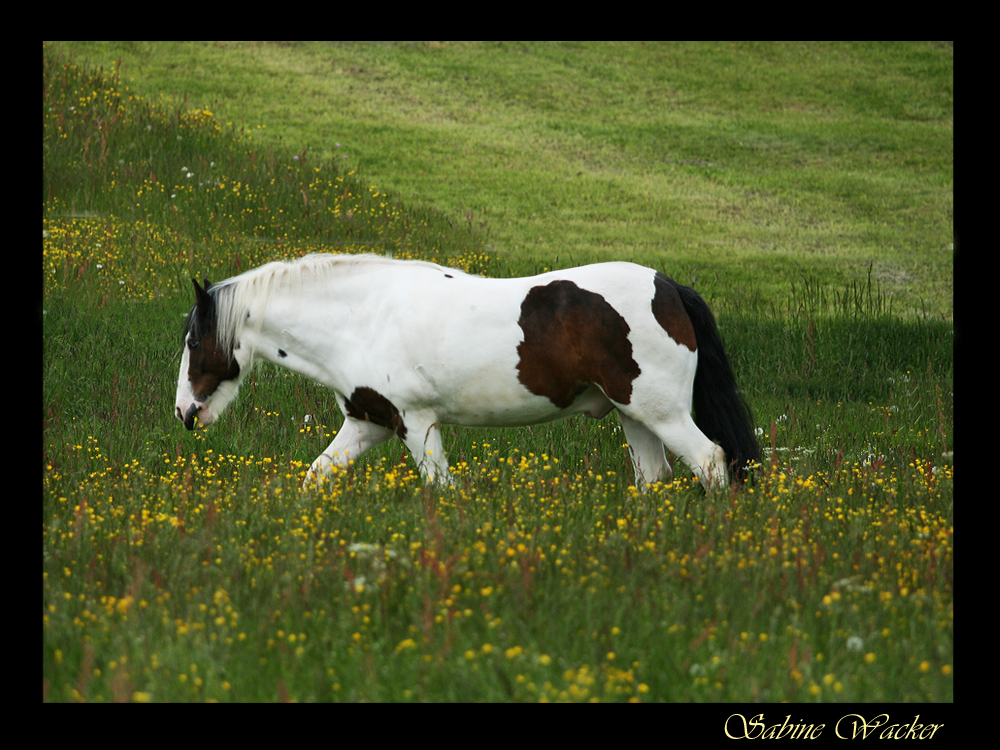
x=299, y=328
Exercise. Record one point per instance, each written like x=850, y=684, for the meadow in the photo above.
x=191, y=566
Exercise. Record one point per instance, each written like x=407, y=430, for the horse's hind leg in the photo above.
x=354, y=438
x=688, y=443
x=648, y=457
x=706, y=459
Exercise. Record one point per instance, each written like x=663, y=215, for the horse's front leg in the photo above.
x=354, y=438
x=423, y=438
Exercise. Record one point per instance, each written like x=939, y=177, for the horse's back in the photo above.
x=531, y=349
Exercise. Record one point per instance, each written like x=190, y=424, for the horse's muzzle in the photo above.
x=190, y=414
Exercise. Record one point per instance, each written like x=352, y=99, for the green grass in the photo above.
x=190, y=566
x=759, y=163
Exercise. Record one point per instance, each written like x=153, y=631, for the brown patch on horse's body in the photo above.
x=670, y=313
x=371, y=406
x=572, y=339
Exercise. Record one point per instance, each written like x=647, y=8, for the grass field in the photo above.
x=812, y=209
x=739, y=166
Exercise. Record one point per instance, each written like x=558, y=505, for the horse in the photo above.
x=408, y=346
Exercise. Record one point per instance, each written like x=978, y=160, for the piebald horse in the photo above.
x=408, y=346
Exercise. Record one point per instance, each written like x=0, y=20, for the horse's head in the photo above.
x=210, y=373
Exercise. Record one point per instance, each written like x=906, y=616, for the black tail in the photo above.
x=719, y=409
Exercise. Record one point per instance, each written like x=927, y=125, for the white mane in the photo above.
x=246, y=295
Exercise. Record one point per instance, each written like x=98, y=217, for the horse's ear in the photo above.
x=201, y=295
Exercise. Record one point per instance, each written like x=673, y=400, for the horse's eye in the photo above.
x=192, y=343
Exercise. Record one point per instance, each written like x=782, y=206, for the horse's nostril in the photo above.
x=190, y=415
x=180, y=414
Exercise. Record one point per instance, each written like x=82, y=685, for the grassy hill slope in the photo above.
x=755, y=164
x=191, y=566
